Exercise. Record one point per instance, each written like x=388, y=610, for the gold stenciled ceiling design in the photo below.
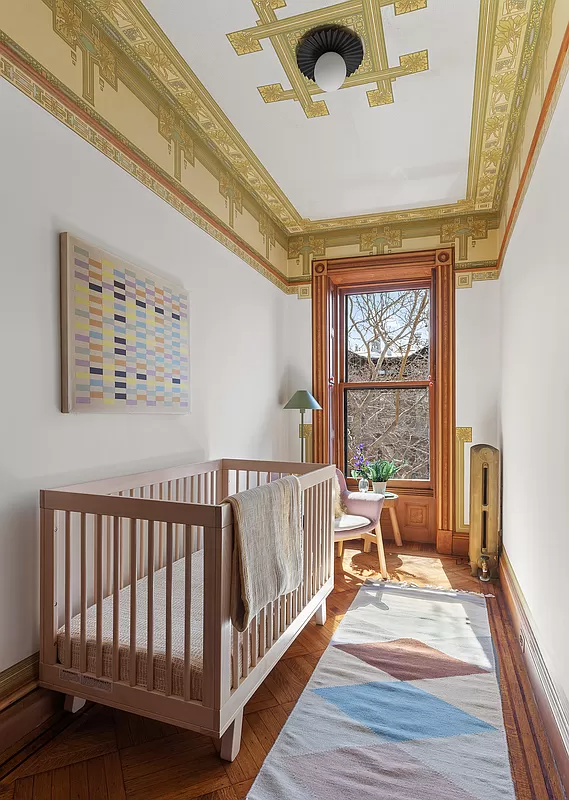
x=116, y=46
x=362, y=16
x=508, y=33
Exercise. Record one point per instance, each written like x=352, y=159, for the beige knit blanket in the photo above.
x=267, y=546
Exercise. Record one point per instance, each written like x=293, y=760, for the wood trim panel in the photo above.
x=552, y=703
x=24, y=674
x=332, y=275
x=27, y=713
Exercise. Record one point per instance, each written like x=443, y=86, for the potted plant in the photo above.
x=380, y=472
x=359, y=471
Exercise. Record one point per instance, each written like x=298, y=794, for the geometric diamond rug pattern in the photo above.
x=409, y=659
x=419, y=718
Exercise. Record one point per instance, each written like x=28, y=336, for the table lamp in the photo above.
x=303, y=400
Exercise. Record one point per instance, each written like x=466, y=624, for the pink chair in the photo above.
x=361, y=521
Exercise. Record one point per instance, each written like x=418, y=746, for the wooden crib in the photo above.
x=135, y=586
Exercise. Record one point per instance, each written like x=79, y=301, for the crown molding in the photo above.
x=508, y=32
x=193, y=134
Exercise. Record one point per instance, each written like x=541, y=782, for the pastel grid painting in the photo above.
x=125, y=342
x=404, y=704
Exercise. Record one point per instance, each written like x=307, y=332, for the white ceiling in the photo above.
x=358, y=160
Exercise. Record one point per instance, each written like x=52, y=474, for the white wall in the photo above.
x=52, y=181
x=477, y=368
x=535, y=395
x=299, y=374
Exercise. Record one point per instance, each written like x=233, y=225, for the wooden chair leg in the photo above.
x=340, y=549
x=231, y=739
x=320, y=615
x=367, y=544
x=73, y=704
x=381, y=552
x=395, y=525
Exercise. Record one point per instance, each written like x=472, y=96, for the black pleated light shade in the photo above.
x=331, y=39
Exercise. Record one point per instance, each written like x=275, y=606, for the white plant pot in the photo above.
x=379, y=488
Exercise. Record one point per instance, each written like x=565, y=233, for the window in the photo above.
x=386, y=378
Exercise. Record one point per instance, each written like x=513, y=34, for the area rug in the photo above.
x=404, y=704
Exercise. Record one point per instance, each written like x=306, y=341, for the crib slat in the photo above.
x=83, y=634
x=254, y=628
x=327, y=529
x=245, y=638
x=161, y=529
x=235, y=671
x=68, y=588
x=169, y=561
x=108, y=560
x=116, y=594
x=132, y=577
x=310, y=549
x=99, y=580
x=150, y=617
x=283, y=612
x=262, y=633
x=270, y=617
x=178, y=497
x=317, y=539
x=188, y=615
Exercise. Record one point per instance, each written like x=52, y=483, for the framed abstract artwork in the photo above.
x=125, y=342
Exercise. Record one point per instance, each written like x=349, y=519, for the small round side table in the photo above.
x=390, y=503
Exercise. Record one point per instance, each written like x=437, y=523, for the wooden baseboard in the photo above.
x=23, y=705
x=550, y=698
x=21, y=717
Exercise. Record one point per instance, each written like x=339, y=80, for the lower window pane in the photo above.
x=391, y=424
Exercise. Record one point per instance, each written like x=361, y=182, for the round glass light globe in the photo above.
x=330, y=71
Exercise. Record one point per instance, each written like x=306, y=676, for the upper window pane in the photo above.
x=387, y=336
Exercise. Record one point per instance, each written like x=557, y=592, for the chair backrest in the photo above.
x=341, y=480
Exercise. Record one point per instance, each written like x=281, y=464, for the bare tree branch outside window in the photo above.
x=388, y=340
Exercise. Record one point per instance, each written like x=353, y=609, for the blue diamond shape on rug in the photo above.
x=400, y=712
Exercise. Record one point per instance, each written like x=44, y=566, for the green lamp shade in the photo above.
x=303, y=400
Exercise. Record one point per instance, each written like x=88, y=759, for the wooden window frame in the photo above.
x=429, y=383
x=332, y=280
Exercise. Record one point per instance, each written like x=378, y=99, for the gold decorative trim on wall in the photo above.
x=463, y=435
x=40, y=89
x=140, y=33
x=362, y=16
x=464, y=278
x=119, y=48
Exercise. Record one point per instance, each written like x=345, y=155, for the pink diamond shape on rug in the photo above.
x=367, y=773
x=410, y=659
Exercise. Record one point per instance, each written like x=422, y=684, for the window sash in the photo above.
x=344, y=385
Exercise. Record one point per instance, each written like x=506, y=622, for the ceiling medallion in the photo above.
x=329, y=55
x=361, y=18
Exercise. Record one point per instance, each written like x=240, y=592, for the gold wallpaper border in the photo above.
x=41, y=87
x=459, y=231
x=549, y=105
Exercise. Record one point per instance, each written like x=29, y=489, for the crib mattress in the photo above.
x=159, y=639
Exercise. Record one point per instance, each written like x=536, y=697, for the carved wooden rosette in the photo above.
x=329, y=277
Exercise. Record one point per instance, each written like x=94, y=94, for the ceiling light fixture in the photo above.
x=329, y=55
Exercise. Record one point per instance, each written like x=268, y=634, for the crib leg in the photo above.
x=231, y=739
x=73, y=704
x=320, y=615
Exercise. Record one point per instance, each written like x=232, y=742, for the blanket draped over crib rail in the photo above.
x=267, y=547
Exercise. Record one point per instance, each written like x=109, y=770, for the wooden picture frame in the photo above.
x=124, y=335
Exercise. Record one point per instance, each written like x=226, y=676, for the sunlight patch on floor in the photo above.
x=401, y=567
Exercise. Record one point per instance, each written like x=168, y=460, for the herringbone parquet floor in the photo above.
x=102, y=753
